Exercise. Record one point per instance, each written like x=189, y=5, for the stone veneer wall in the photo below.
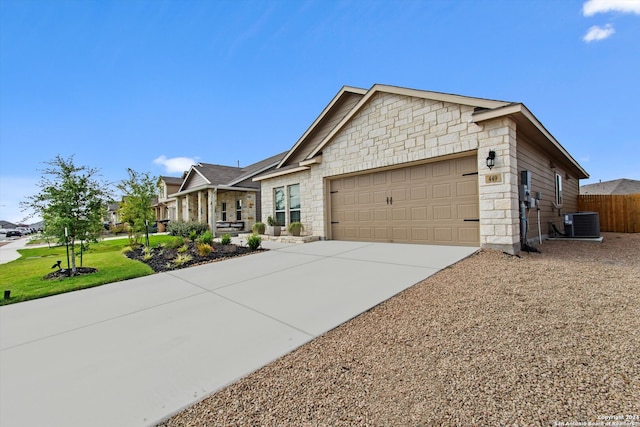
x=394, y=129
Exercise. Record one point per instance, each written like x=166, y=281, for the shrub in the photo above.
x=182, y=249
x=254, y=242
x=175, y=243
x=184, y=229
x=258, y=228
x=206, y=238
x=147, y=254
x=226, y=239
x=204, y=249
x=126, y=249
x=182, y=259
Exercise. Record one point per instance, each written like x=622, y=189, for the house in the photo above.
x=616, y=186
x=393, y=164
x=222, y=196
x=167, y=208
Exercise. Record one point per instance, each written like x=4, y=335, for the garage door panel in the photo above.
x=418, y=213
x=466, y=189
x=470, y=235
x=442, y=212
x=418, y=193
x=426, y=203
x=441, y=191
x=443, y=234
x=469, y=211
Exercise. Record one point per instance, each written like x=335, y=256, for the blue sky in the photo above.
x=154, y=85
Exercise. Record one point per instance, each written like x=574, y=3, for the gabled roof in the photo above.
x=210, y=175
x=311, y=145
x=528, y=123
x=616, y=186
x=171, y=180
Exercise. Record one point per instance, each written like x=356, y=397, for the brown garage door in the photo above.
x=434, y=203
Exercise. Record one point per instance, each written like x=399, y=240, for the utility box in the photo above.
x=582, y=224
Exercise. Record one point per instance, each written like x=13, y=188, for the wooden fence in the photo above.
x=618, y=213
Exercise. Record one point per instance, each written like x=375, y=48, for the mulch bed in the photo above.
x=64, y=273
x=163, y=257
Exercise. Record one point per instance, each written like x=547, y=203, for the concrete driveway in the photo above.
x=134, y=352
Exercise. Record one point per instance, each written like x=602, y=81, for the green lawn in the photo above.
x=24, y=276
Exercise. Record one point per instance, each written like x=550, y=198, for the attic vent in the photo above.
x=582, y=224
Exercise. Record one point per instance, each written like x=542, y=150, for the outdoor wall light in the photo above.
x=491, y=160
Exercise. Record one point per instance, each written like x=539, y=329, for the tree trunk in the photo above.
x=73, y=258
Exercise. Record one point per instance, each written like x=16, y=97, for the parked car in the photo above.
x=14, y=233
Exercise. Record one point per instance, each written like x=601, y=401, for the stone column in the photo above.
x=201, y=206
x=211, y=209
x=179, y=210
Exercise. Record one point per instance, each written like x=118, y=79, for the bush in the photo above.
x=182, y=259
x=226, y=239
x=175, y=243
x=258, y=228
x=254, y=242
x=193, y=235
x=184, y=229
x=206, y=238
x=182, y=249
x=204, y=249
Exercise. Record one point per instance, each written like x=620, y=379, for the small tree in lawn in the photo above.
x=72, y=203
x=137, y=202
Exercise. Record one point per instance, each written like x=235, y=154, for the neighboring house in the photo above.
x=617, y=186
x=222, y=195
x=167, y=208
x=393, y=164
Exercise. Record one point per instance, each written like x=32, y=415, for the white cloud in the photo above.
x=591, y=7
x=176, y=164
x=596, y=33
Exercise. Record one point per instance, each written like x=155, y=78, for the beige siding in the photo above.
x=324, y=127
x=543, y=172
x=196, y=180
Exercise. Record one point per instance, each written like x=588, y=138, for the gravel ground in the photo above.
x=549, y=338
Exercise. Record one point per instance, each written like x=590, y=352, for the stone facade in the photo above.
x=394, y=130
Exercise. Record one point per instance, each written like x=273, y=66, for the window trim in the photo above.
x=282, y=211
x=224, y=211
x=558, y=188
x=292, y=210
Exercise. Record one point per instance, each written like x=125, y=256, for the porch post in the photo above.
x=211, y=209
x=200, y=205
x=179, y=209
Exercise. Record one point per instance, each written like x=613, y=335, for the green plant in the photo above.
x=254, y=241
x=272, y=222
x=175, y=242
x=295, y=228
x=226, y=239
x=182, y=249
x=206, y=238
x=204, y=249
x=184, y=229
x=258, y=228
x=148, y=254
x=126, y=249
x=193, y=235
x=182, y=259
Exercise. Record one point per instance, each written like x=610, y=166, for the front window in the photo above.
x=558, y=189
x=279, y=205
x=238, y=210
x=224, y=211
x=294, y=203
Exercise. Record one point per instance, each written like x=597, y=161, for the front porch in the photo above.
x=228, y=211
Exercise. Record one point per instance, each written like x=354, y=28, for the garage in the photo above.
x=432, y=203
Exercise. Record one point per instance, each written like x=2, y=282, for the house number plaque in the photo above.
x=493, y=178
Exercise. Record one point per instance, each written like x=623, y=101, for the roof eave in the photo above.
x=520, y=111
x=318, y=119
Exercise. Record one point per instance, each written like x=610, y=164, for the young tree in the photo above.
x=71, y=201
x=138, y=192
